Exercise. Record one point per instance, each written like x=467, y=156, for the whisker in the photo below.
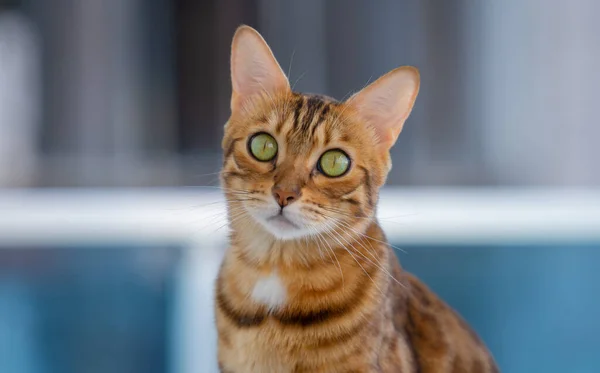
x=222, y=189
x=241, y=212
x=330, y=252
x=224, y=215
x=209, y=174
x=369, y=237
x=318, y=247
x=386, y=218
x=291, y=60
x=375, y=264
x=332, y=234
x=378, y=264
x=349, y=94
x=238, y=217
x=298, y=79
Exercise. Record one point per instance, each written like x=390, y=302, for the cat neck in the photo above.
x=254, y=244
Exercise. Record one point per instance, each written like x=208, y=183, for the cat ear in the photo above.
x=386, y=103
x=254, y=69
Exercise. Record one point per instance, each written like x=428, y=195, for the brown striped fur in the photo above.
x=348, y=305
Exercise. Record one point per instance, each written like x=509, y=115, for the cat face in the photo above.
x=301, y=164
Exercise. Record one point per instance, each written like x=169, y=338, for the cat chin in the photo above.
x=287, y=226
x=283, y=229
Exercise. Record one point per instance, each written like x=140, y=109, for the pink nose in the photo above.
x=285, y=196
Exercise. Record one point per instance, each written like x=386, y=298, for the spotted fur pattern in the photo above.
x=336, y=298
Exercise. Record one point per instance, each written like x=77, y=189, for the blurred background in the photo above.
x=111, y=115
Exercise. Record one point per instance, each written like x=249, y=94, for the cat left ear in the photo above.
x=254, y=69
x=386, y=103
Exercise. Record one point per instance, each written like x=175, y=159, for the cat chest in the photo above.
x=269, y=291
x=253, y=350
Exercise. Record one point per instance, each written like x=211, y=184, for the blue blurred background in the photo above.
x=112, y=224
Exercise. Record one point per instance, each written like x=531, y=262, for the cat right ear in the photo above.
x=386, y=103
x=254, y=69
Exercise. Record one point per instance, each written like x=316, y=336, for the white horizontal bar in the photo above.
x=69, y=216
x=490, y=215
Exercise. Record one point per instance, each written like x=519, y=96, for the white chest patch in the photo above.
x=269, y=291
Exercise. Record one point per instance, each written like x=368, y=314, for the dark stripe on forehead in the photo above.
x=313, y=105
x=322, y=117
x=324, y=98
x=298, y=111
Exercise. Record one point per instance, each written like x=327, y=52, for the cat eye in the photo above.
x=334, y=163
x=263, y=147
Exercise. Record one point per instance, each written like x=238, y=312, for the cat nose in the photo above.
x=285, y=196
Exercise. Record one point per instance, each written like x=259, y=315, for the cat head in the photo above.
x=299, y=164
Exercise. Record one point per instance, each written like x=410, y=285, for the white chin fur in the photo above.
x=282, y=232
x=288, y=226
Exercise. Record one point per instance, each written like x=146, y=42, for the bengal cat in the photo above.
x=309, y=283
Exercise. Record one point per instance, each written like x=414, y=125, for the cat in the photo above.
x=309, y=282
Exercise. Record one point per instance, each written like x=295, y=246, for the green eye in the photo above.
x=263, y=147
x=334, y=163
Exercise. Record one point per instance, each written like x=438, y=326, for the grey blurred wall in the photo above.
x=136, y=92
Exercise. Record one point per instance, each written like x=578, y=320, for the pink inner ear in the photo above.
x=254, y=70
x=255, y=78
x=386, y=103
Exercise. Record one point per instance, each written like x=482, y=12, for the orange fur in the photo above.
x=322, y=291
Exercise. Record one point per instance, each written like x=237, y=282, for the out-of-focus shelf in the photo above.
x=474, y=216
x=194, y=215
